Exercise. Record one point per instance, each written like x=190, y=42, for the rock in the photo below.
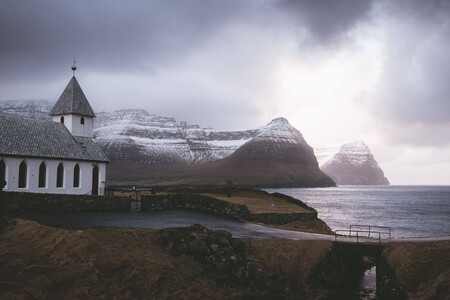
x=181, y=249
x=198, y=248
x=238, y=245
x=221, y=256
x=224, y=234
x=223, y=242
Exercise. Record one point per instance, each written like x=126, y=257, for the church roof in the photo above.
x=72, y=101
x=28, y=137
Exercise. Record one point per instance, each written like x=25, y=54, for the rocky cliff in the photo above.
x=354, y=164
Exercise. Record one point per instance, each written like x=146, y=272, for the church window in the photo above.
x=42, y=175
x=95, y=177
x=60, y=176
x=76, y=176
x=2, y=170
x=82, y=121
x=62, y=119
x=23, y=170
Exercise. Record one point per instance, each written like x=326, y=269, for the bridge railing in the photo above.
x=384, y=230
x=360, y=235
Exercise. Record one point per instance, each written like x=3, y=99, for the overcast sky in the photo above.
x=338, y=70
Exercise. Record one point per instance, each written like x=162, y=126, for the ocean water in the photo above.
x=410, y=211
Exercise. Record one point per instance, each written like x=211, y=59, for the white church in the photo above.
x=58, y=157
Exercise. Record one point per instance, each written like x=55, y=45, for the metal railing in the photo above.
x=363, y=235
x=358, y=234
x=369, y=228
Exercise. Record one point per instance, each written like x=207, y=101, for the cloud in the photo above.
x=327, y=22
x=109, y=35
x=413, y=92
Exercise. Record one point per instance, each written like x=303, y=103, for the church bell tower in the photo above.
x=73, y=109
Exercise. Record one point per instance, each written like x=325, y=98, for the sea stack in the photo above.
x=354, y=164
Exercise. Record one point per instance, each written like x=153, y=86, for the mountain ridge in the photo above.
x=141, y=145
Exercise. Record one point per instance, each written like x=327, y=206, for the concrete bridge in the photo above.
x=365, y=241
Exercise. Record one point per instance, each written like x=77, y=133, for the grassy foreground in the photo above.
x=40, y=262
x=422, y=268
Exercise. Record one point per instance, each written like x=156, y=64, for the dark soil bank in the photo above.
x=40, y=262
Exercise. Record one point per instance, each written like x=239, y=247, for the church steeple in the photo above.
x=73, y=109
x=72, y=101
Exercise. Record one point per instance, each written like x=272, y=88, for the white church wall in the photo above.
x=73, y=124
x=85, y=129
x=32, y=179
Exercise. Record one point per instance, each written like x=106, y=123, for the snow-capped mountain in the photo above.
x=143, y=144
x=354, y=164
x=280, y=141
x=158, y=139
x=279, y=130
x=137, y=135
x=277, y=156
x=324, y=154
x=37, y=109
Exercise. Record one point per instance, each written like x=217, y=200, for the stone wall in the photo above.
x=282, y=218
x=220, y=207
x=15, y=201
x=195, y=202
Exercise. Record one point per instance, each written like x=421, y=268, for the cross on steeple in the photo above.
x=74, y=67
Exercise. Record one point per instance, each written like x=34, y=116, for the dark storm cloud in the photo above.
x=327, y=21
x=141, y=35
x=414, y=91
x=424, y=11
x=39, y=38
x=105, y=34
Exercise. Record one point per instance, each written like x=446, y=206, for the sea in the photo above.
x=409, y=211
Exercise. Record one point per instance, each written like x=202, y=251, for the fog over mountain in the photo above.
x=336, y=69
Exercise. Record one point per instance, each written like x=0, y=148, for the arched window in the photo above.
x=62, y=119
x=2, y=170
x=82, y=121
x=95, y=177
x=76, y=176
x=42, y=175
x=23, y=169
x=60, y=176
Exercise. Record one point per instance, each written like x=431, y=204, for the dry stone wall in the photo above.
x=220, y=207
x=15, y=201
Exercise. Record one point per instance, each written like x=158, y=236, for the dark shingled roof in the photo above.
x=72, y=101
x=20, y=136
